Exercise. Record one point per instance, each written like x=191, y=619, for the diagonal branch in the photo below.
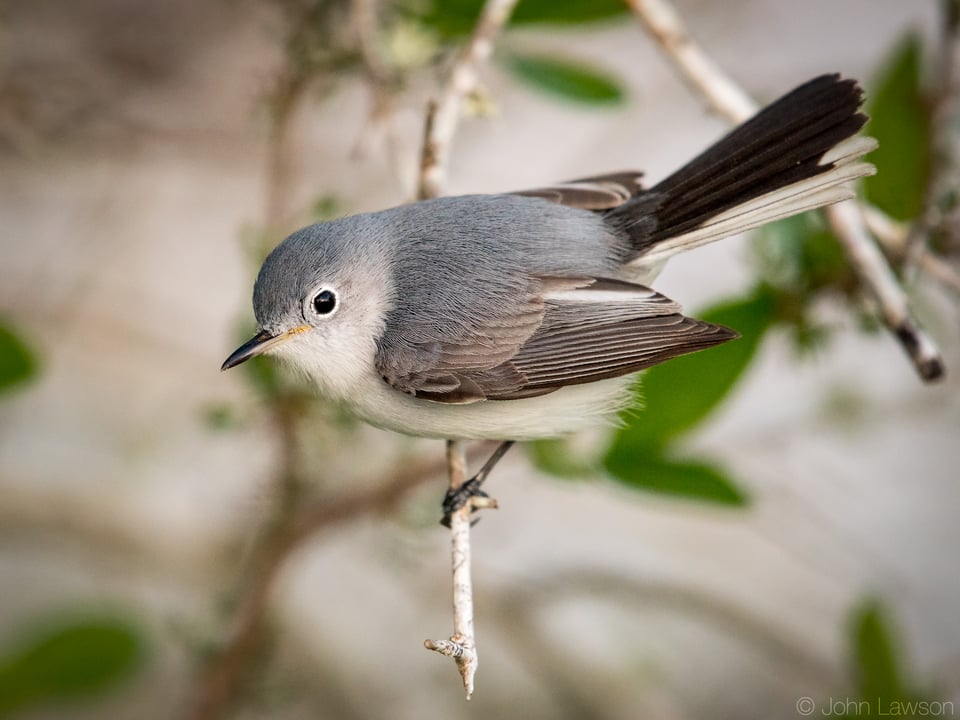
x=443, y=116
x=666, y=26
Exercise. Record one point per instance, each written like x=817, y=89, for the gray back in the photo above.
x=463, y=263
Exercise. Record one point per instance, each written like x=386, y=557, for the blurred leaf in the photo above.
x=220, y=416
x=676, y=395
x=568, y=79
x=454, y=18
x=555, y=457
x=878, y=669
x=17, y=363
x=326, y=207
x=900, y=121
x=263, y=373
x=801, y=255
x=68, y=661
x=643, y=469
x=801, y=260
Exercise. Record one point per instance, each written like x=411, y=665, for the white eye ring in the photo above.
x=324, y=302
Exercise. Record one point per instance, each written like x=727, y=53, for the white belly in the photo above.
x=569, y=409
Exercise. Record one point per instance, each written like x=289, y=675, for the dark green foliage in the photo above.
x=900, y=121
x=643, y=468
x=567, y=79
x=800, y=260
x=878, y=671
x=455, y=18
x=883, y=689
x=678, y=394
x=17, y=363
x=556, y=458
x=62, y=662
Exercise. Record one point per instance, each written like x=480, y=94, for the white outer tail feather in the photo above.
x=818, y=191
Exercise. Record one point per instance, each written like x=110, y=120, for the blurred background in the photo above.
x=771, y=535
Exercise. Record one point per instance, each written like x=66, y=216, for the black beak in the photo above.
x=254, y=346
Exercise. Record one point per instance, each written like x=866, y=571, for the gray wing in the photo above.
x=599, y=192
x=577, y=330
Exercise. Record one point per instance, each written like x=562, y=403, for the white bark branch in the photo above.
x=442, y=120
x=462, y=644
x=894, y=236
x=666, y=26
x=697, y=68
x=847, y=222
x=444, y=116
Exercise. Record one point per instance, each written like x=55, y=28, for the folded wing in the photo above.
x=589, y=329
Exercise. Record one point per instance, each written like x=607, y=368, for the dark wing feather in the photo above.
x=586, y=337
x=599, y=192
x=452, y=369
x=577, y=330
x=460, y=364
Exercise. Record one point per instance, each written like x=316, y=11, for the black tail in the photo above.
x=779, y=146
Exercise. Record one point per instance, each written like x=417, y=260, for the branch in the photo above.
x=698, y=69
x=462, y=644
x=444, y=116
x=895, y=238
x=440, y=126
x=666, y=26
x=940, y=220
x=868, y=262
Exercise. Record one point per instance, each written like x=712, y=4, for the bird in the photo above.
x=526, y=314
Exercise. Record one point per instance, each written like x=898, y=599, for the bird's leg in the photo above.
x=456, y=498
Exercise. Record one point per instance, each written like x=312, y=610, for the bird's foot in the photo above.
x=470, y=494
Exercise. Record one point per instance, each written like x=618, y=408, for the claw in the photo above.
x=459, y=497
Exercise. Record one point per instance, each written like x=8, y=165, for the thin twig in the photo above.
x=444, y=116
x=462, y=644
x=893, y=235
x=940, y=220
x=440, y=126
x=666, y=26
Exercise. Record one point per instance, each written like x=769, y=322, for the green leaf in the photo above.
x=568, y=79
x=900, y=121
x=17, y=363
x=555, y=457
x=878, y=669
x=454, y=18
x=264, y=375
x=678, y=394
x=567, y=12
x=64, y=662
x=220, y=416
x=643, y=469
x=800, y=255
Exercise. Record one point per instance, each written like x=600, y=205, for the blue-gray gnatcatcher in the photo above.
x=523, y=315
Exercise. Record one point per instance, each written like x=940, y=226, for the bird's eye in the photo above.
x=324, y=302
